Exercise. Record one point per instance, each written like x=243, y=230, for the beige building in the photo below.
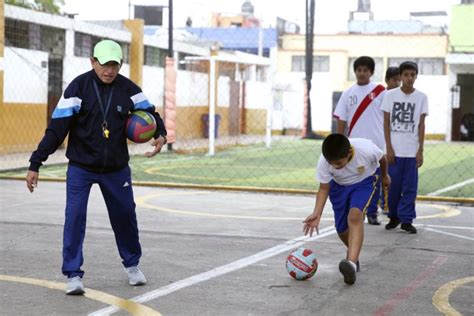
x=333, y=72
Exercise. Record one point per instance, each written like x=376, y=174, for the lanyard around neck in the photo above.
x=107, y=106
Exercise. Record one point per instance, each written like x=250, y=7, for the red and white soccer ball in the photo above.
x=301, y=264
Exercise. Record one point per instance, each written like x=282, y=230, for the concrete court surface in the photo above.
x=223, y=253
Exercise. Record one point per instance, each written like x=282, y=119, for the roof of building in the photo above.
x=238, y=38
x=392, y=27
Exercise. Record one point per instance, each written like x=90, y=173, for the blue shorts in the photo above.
x=345, y=197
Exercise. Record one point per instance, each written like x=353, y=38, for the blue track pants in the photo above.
x=403, y=189
x=117, y=191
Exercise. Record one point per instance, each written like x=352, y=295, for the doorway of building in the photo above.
x=463, y=117
x=55, y=83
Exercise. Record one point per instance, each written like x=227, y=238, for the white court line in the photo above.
x=239, y=264
x=452, y=187
x=443, y=226
x=449, y=234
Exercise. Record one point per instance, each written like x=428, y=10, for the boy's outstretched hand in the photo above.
x=311, y=224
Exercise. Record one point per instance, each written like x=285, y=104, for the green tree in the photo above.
x=48, y=6
x=20, y=3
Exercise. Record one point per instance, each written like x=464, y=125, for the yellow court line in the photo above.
x=142, y=201
x=441, y=297
x=251, y=189
x=447, y=211
x=130, y=306
x=158, y=171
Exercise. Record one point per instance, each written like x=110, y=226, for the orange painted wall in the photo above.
x=21, y=126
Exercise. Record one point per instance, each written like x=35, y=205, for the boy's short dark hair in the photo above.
x=408, y=65
x=365, y=61
x=391, y=72
x=335, y=147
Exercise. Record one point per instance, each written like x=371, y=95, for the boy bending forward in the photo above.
x=347, y=174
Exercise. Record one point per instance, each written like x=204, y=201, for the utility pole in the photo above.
x=170, y=28
x=170, y=50
x=309, y=36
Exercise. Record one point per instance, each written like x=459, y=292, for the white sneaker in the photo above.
x=75, y=286
x=135, y=276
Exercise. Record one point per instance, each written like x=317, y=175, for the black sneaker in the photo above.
x=373, y=220
x=357, y=263
x=394, y=222
x=409, y=228
x=348, y=271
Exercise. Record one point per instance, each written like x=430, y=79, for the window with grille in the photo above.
x=426, y=66
x=17, y=33
x=182, y=64
x=155, y=56
x=33, y=36
x=84, y=45
x=320, y=63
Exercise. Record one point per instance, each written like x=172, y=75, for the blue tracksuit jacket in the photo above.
x=78, y=113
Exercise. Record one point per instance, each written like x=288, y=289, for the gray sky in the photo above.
x=331, y=15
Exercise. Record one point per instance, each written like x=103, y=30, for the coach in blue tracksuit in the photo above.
x=93, y=111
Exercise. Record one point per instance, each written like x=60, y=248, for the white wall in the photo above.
x=291, y=114
x=191, y=88
x=223, y=92
x=288, y=109
x=321, y=101
x=293, y=103
x=258, y=95
x=437, y=90
x=25, y=78
x=73, y=67
x=153, y=85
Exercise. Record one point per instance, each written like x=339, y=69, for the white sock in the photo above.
x=353, y=265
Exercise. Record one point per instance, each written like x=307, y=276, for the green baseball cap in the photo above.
x=107, y=50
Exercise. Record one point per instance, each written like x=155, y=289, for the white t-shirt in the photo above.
x=364, y=163
x=370, y=123
x=405, y=111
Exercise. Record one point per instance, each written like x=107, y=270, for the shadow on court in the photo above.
x=223, y=253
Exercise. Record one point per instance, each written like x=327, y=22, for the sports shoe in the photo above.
x=409, y=228
x=373, y=220
x=394, y=222
x=357, y=262
x=348, y=271
x=74, y=286
x=135, y=276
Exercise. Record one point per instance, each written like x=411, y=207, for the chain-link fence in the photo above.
x=233, y=93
